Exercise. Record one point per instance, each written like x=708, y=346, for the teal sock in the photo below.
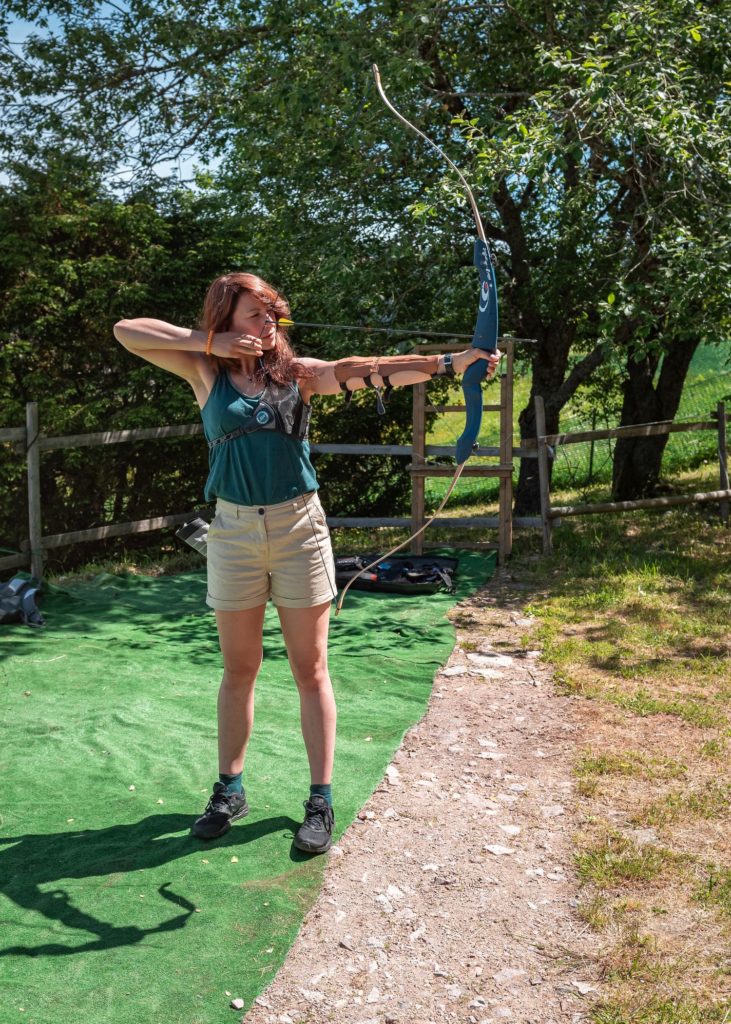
x=322, y=789
x=232, y=782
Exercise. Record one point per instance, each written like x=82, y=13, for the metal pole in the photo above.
x=33, y=461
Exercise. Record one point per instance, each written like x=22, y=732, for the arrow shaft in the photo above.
x=399, y=331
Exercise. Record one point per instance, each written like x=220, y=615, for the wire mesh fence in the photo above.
x=583, y=465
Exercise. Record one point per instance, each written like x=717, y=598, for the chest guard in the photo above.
x=280, y=407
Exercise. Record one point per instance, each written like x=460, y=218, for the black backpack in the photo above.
x=399, y=574
x=18, y=601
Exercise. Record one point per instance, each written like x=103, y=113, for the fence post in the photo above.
x=723, y=506
x=505, y=530
x=33, y=462
x=418, y=482
x=543, y=476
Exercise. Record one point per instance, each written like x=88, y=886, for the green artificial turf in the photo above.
x=110, y=910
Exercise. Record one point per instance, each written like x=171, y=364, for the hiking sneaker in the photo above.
x=221, y=810
x=315, y=833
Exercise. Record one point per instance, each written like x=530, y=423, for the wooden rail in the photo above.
x=545, y=443
x=33, y=549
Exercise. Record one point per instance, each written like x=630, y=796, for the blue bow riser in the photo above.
x=485, y=337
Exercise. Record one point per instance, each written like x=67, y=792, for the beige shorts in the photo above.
x=279, y=551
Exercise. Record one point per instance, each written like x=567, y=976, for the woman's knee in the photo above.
x=311, y=676
x=241, y=672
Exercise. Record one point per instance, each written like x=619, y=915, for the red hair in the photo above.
x=218, y=308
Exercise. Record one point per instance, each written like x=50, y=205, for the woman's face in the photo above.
x=251, y=316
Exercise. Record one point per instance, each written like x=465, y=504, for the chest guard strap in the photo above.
x=280, y=407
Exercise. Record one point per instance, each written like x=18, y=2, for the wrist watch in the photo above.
x=448, y=365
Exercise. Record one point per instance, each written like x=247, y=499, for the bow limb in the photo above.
x=486, y=325
x=484, y=336
x=440, y=151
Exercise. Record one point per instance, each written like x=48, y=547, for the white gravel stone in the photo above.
x=507, y=975
x=311, y=995
x=553, y=811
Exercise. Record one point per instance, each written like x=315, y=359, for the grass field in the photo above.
x=634, y=621
x=578, y=467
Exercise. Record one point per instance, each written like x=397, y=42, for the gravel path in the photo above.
x=453, y=897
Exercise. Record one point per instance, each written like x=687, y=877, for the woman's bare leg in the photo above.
x=305, y=632
x=240, y=635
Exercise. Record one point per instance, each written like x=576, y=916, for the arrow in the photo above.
x=400, y=331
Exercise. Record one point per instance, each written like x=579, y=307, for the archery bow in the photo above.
x=484, y=337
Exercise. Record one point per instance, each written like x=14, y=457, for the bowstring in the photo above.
x=398, y=547
x=293, y=467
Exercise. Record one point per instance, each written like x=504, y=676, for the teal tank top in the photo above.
x=261, y=468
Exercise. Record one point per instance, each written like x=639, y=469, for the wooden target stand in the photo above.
x=501, y=467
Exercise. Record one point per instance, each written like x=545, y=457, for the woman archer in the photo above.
x=269, y=537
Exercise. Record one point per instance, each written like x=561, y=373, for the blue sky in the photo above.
x=19, y=30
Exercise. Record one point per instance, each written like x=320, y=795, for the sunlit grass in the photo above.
x=713, y=800
x=716, y=891
x=632, y=614
x=615, y=859
x=629, y=762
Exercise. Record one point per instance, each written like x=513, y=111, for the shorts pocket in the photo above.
x=214, y=527
x=317, y=514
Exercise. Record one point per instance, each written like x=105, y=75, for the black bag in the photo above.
x=18, y=602
x=398, y=574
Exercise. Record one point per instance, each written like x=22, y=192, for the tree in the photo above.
x=596, y=134
x=73, y=260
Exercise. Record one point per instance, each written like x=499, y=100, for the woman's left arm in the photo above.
x=400, y=371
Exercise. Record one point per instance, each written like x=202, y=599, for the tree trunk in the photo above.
x=637, y=460
x=549, y=369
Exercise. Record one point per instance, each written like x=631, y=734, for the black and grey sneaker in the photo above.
x=221, y=810
x=315, y=833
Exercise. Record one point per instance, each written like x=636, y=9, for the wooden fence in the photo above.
x=33, y=443
x=546, y=443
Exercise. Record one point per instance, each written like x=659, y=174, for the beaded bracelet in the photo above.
x=209, y=342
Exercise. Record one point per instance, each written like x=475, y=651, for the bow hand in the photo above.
x=462, y=361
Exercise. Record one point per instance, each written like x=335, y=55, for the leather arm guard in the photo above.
x=384, y=366
x=365, y=366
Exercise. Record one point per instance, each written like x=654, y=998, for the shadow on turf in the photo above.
x=35, y=860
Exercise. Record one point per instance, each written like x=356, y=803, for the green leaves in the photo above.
x=596, y=136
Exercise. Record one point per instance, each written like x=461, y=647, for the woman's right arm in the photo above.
x=177, y=349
